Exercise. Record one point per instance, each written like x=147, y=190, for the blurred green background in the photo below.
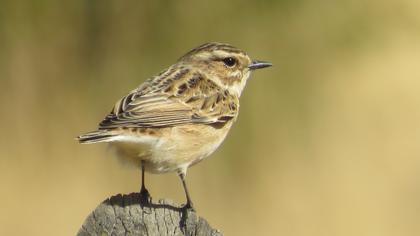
x=327, y=141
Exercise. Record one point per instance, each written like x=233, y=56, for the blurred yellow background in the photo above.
x=327, y=141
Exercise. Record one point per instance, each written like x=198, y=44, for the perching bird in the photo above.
x=180, y=116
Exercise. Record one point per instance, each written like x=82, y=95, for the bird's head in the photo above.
x=224, y=64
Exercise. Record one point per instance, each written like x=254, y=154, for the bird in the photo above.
x=179, y=117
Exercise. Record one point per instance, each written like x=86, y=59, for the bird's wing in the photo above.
x=169, y=99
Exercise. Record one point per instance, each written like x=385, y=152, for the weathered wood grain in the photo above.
x=127, y=215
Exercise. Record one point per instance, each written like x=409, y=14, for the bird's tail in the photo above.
x=96, y=137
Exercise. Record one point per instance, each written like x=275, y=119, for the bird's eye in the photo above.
x=229, y=61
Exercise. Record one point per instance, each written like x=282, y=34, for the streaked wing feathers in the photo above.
x=173, y=98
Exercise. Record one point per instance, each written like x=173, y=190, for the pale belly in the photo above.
x=171, y=149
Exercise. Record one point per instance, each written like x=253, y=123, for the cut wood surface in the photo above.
x=128, y=215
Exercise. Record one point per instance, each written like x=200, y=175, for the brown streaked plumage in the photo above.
x=179, y=117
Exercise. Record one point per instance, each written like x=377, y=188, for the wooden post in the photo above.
x=126, y=215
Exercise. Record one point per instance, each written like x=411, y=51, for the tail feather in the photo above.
x=95, y=137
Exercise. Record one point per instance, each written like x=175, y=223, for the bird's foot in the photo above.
x=189, y=206
x=188, y=216
x=145, y=198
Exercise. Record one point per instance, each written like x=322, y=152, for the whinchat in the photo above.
x=180, y=116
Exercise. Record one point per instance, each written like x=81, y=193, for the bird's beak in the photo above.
x=259, y=65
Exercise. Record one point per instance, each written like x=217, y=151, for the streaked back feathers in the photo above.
x=202, y=87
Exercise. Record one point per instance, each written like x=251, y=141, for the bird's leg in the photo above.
x=189, y=204
x=144, y=194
